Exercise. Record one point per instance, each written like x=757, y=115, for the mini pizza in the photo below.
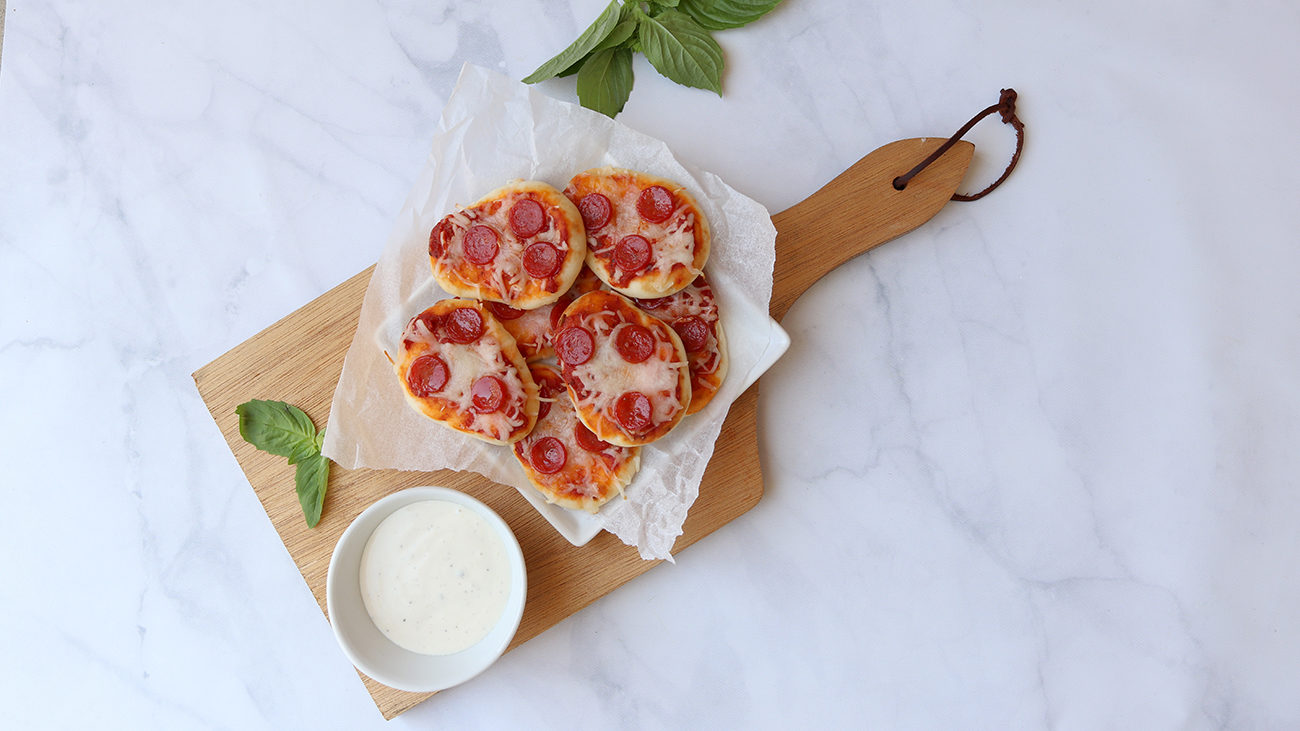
x=461, y=368
x=532, y=329
x=693, y=314
x=626, y=371
x=521, y=245
x=563, y=459
x=646, y=236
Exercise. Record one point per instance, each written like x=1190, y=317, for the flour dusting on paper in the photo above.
x=494, y=130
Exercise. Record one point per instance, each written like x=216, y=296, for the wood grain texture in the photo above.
x=860, y=210
x=299, y=359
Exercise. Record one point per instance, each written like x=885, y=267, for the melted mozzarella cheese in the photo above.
x=607, y=375
x=532, y=330
x=504, y=275
x=672, y=241
x=465, y=365
x=694, y=301
x=585, y=473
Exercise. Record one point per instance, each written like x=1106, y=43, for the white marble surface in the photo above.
x=1033, y=465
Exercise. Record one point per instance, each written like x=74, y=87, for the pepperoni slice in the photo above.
x=550, y=389
x=542, y=260
x=694, y=333
x=632, y=253
x=527, y=218
x=557, y=310
x=654, y=304
x=655, y=204
x=480, y=244
x=588, y=440
x=547, y=389
x=487, y=394
x=436, y=236
x=464, y=325
x=635, y=343
x=580, y=390
x=505, y=312
x=428, y=375
x=632, y=411
x=574, y=345
x=429, y=320
x=595, y=210
x=548, y=455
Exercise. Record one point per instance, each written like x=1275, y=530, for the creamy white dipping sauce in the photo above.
x=434, y=577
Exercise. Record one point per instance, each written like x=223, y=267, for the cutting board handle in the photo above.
x=859, y=210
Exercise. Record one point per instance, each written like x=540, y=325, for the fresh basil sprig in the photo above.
x=286, y=431
x=674, y=35
x=724, y=14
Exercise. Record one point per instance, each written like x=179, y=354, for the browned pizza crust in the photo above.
x=587, y=478
x=693, y=315
x=532, y=329
x=678, y=245
x=606, y=382
x=510, y=276
x=431, y=335
x=704, y=386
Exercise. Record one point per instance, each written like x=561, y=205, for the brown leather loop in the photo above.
x=1006, y=107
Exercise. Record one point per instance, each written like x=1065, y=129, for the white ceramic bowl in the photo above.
x=377, y=656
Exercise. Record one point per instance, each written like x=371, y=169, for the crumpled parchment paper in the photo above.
x=493, y=130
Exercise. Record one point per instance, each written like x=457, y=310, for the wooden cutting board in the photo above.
x=299, y=359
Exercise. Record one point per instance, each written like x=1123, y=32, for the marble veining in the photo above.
x=1031, y=466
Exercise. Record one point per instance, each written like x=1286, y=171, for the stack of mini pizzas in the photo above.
x=582, y=327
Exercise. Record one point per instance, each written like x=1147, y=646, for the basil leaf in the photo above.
x=278, y=428
x=616, y=37
x=594, y=34
x=724, y=14
x=287, y=431
x=574, y=68
x=682, y=50
x=312, y=478
x=605, y=81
